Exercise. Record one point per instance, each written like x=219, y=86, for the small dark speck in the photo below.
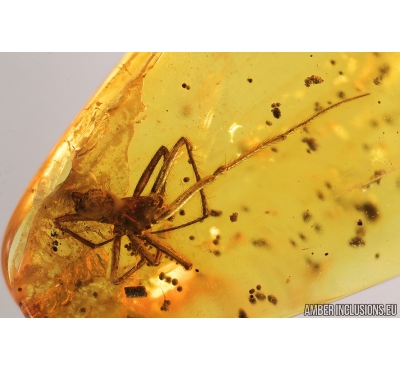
x=276, y=112
x=182, y=212
x=162, y=276
x=184, y=85
x=250, y=80
x=19, y=289
x=269, y=123
x=95, y=294
x=179, y=289
x=377, y=255
x=326, y=254
x=260, y=296
x=274, y=149
x=233, y=217
x=216, y=252
x=215, y=213
x=186, y=179
x=357, y=242
x=359, y=222
x=258, y=287
x=20, y=304
x=333, y=62
x=260, y=243
x=252, y=291
x=272, y=299
x=379, y=102
x=340, y=72
x=242, y=314
x=302, y=236
x=307, y=216
x=341, y=94
x=197, y=270
x=370, y=210
x=187, y=87
x=191, y=237
x=252, y=300
x=174, y=282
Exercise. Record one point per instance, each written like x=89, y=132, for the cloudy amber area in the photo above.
x=306, y=220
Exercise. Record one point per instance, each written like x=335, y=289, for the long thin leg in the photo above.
x=166, y=212
x=169, y=251
x=144, y=179
x=74, y=217
x=115, y=263
x=160, y=183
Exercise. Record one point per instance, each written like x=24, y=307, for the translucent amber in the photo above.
x=310, y=218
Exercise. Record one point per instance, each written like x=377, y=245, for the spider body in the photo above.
x=135, y=216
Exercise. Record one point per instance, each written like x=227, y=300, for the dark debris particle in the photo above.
x=216, y=252
x=165, y=305
x=197, y=270
x=216, y=241
x=182, y=212
x=135, y=291
x=252, y=300
x=161, y=276
x=55, y=249
x=341, y=94
x=359, y=222
x=187, y=87
x=313, y=80
x=168, y=279
x=292, y=242
x=215, y=213
x=251, y=291
x=276, y=112
x=242, y=314
x=357, y=241
x=54, y=234
x=377, y=81
x=311, y=142
x=326, y=254
x=318, y=228
x=19, y=289
x=179, y=288
x=379, y=102
x=377, y=255
x=260, y=243
x=184, y=85
x=302, y=236
x=82, y=310
x=320, y=195
x=333, y=62
x=55, y=243
x=174, y=282
x=95, y=294
x=370, y=210
x=272, y=299
x=260, y=296
x=233, y=217
x=191, y=237
x=250, y=80
x=186, y=179
x=258, y=287
x=274, y=149
x=170, y=219
x=269, y=123
x=328, y=185
x=307, y=216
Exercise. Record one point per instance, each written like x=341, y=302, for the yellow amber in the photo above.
x=306, y=220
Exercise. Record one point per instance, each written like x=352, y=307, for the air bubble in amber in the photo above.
x=117, y=224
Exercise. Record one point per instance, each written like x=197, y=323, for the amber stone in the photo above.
x=298, y=201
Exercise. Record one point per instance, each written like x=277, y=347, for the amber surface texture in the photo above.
x=296, y=214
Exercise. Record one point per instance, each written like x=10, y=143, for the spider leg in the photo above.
x=115, y=263
x=144, y=179
x=169, y=251
x=75, y=217
x=159, y=185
